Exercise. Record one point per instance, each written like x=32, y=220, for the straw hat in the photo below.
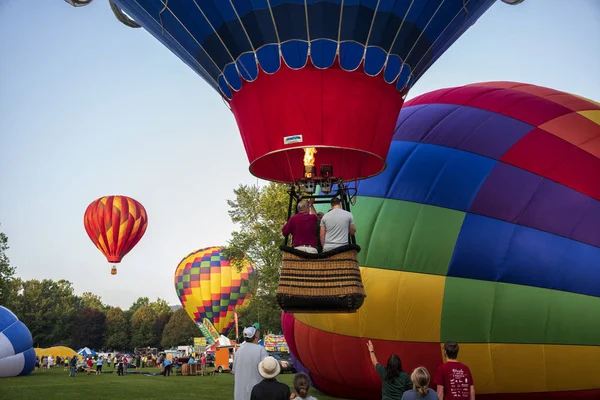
x=269, y=368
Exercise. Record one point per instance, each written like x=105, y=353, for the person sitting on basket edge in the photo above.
x=302, y=228
x=336, y=226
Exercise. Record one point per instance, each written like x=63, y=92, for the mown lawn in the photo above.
x=56, y=384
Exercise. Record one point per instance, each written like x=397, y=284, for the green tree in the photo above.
x=180, y=330
x=117, y=330
x=140, y=302
x=144, y=328
x=47, y=308
x=8, y=283
x=161, y=307
x=260, y=213
x=89, y=328
x=91, y=300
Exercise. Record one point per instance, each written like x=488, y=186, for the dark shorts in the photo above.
x=99, y=368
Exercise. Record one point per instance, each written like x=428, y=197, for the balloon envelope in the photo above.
x=329, y=74
x=17, y=356
x=115, y=224
x=483, y=230
x=209, y=287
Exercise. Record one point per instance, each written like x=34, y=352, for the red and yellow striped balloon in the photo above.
x=115, y=224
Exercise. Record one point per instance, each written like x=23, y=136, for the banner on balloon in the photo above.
x=211, y=329
x=204, y=329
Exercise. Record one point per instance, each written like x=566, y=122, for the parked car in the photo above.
x=285, y=362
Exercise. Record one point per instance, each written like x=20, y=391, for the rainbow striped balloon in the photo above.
x=209, y=287
x=484, y=229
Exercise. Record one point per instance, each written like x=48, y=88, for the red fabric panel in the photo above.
x=552, y=157
x=287, y=324
x=340, y=365
x=519, y=105
x=349, y=116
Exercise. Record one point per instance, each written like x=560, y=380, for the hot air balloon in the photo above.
x=482, y=230
x=324, y=75
x=115, y=224
x=209, y=287
x=17, y=356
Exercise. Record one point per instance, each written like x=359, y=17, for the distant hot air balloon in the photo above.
x=115, y=224
x=17, y=356
x=209, y=287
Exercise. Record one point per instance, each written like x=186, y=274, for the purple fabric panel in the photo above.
x=514, y=195
x=414, y=123
x=588, y=229
x=505, y=193
x=470, y=129
x=495, y=135
x=555, y=208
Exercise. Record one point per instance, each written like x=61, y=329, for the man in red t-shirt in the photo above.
x=453, y=379
x=303, y=227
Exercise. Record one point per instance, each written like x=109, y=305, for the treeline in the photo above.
x=55, y=315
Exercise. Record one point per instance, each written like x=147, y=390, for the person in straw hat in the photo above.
x=270, y=388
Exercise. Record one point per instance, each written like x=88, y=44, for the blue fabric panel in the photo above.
x=494, y=250
x=7, y=318
x=351, y=55
x=404, y=78
x=323, y=52
x=224, y=87
x=232, y=77
x=247, y=66
x=374, y=60
x=431, y=175
x=19, y=336
x=209, y=35
x=29, y=357
x=290, y=17
x=268, y=58
x=356, y=20
x=440, y=176
x=295, y=53
x=392, y=69
x=324, y=18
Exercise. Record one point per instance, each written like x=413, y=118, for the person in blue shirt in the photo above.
x=167, y=364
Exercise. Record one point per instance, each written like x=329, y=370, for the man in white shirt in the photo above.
x=336, y=226
x=245, y=364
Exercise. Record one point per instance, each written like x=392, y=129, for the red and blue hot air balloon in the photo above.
x=329, y=75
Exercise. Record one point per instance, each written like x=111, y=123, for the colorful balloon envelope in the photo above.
x=115, y=224
x=484, y=229
x=324, y=74
x=210, y=287
x=17, y=356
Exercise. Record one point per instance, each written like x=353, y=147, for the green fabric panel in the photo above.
x=492, y=312
x=406, y=236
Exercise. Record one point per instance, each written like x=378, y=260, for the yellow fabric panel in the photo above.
x=400, y=306
x=593, y=115
x=527, y=368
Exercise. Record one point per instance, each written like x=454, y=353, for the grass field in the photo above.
x=56, y=384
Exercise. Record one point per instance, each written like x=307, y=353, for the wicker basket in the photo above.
x=320, y=283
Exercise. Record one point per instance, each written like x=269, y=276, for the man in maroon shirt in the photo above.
x=453, y=379
x=302, y=227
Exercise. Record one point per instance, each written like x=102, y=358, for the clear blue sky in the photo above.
x=89, y=107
